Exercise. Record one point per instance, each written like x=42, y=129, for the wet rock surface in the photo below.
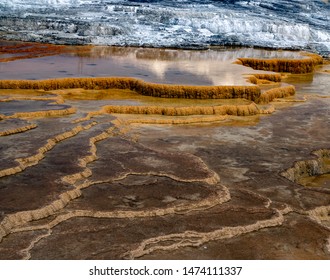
x=94, y=185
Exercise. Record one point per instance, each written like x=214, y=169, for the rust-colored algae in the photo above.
x=20, y=50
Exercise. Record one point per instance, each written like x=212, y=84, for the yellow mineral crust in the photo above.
x=156, y=90
x=260, y=79
x=311, y=167
x=174, y=121
x=281, y=92
x=57, y=100
x=17, y=130
x=40, y=114
x=236, y=110
x=295, y=66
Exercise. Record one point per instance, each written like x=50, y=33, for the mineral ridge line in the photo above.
x=18, y=130
x=24, y=163
x=196, y=239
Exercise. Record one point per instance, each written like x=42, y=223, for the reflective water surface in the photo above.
x=211, y=67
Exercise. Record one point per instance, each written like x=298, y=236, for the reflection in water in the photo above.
x=210, y=67
x=315, y=83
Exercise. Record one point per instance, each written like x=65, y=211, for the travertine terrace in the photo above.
x=127, y=168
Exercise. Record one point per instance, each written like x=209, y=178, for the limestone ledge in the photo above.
x=320, y=214
x=311, y=167
x=41, y=114
x=57, y=100
x=261, y=79
x=196, y=114
x=13, y=222
x=236, y=110
x=251, y=92
x=24, y=163
x=18, y=130
x=221, y=196
x=296, y=66
x=20, y=218
x=207, y=114
x=195, y=239
x=190, y=120
x=153, y=120
x=275, y=93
